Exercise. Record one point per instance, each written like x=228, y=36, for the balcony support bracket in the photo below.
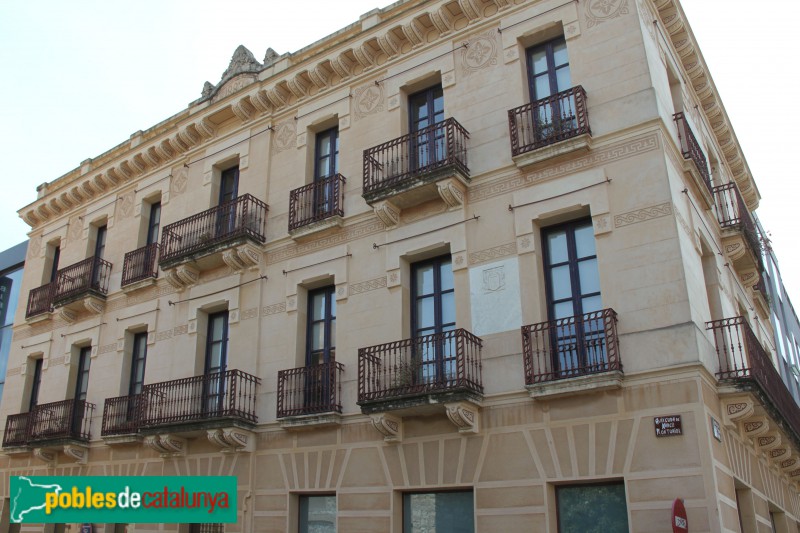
x=80, y=454
x=451, y=190
x=737, y=409
x=756, y=426
x=183, y=276
x=387, y=212
x=167, y=445
x=465, y=416
x=391, y=427
x=67, y=315
x=769, y=441
x=245, y=257
x=46, y=455
x=232, y=440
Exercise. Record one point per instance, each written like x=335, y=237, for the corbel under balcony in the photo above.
x=464, y=415
x=451, y=189
x=581, y=143
x=167, y=444
x=76, y=453
x=232, y=439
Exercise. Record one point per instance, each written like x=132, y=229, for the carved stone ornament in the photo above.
x=67, y=315
x=769, y=442
x=387, y=212
x=789, y=464
x=465, y=416
x=739, y=409
x=167, y=445
x=452, y=192
x=780, y=454
x=95, y=306
x=245, y=257
x=755, y=427
x=182, y=276
x=391, y=427
x=80, y=454
x=232, y=440
x=46, y=455
x=242, y=62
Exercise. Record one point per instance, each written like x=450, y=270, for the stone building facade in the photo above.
x=471, y=263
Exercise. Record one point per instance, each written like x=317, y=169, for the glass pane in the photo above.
x=590, y=278
x=446, y=275
x=317, y=514
x=541, y=84
x=584, y=241
x=217, y=325
x=324, y=146
x=425, y=313
x=539, y=61
x=592, y=508
x=324, y=167
x=333, y=305
x=318, y=336
x=448, y=308
x=438, y=512
x=591, y=304
x=424, y=279
x=318, y=306
x=214, y=357
x=560, y=287
x=560, y=53
x=563, y=79
x=333, y=335
x=557, y=247
x=564, y=310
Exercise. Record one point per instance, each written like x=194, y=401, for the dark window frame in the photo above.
x=228, y=185
x=36, y=384
x=214, y=392
x=153, y=223
x=138, y=357
x=604, y=483
x=329, y=323
x=405, y=494
x=82, y=376
x=552, y=68
x=331, y=137
x=300, y=506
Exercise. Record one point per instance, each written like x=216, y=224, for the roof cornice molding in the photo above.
x=673, y=21
x=393, y=32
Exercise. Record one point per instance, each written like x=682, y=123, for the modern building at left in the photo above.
x=12, y=262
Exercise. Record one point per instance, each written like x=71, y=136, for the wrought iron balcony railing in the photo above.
x=310, y=390
x=89, y=276
x=732, y=213
x=67, y=420
x=316, y=201
x=571, y=347
x=40, y=300
x=399, y=163
x=438, y=363
x=224, y=395
x=244, y=217
x=121, y=415
x=140, y=264
x=690, y=148
x=743, y=360
x=547, y=121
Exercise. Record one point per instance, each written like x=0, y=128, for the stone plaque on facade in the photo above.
x=668, y=426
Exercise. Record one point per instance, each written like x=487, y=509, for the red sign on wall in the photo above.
x=680, y=524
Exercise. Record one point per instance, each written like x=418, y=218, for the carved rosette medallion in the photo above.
x=368, y=100
x=480, y=52
x=179, y=181
x=603, y=10
x=285, y=137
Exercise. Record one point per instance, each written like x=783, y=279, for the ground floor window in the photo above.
x=317, y=514
x=597, y=508
x=207, y=528
x=438, y=512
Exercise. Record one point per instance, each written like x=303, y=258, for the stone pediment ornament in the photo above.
x=270, y=57
x=242, y=62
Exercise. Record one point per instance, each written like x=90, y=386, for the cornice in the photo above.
x=399, y=30
x=672, y=20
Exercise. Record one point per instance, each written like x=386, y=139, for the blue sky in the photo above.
x=80, y=77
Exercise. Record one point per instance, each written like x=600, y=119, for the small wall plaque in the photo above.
x=668, y=426
x=715, y=429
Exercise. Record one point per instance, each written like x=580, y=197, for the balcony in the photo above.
x=572, y=355
x=740, y=236
x=745, y=366
x=416, y=168
x=140, y=267
x=79, y=287
x=225, y=234
x=692, y=152
x=550, y=127
x=310, y=396
x=317, y=206
x=50, y=424
x=40, y=301
x=221, y=406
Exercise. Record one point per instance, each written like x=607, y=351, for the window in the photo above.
x=549, y=75
x=433, y=312
x=99, y=250
x=317, y=514
x=153, y=223
x=442, y=512
x=573, y=298
x=548, y=69
x=138, y=360
x=428, y=143
x=82, y=381
x=326, y=154
x=36, y=383
x=599, y=508
x=54, y=264
x=216, y=361
x=321, y=331
x=10, y=281
x=229, y=185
